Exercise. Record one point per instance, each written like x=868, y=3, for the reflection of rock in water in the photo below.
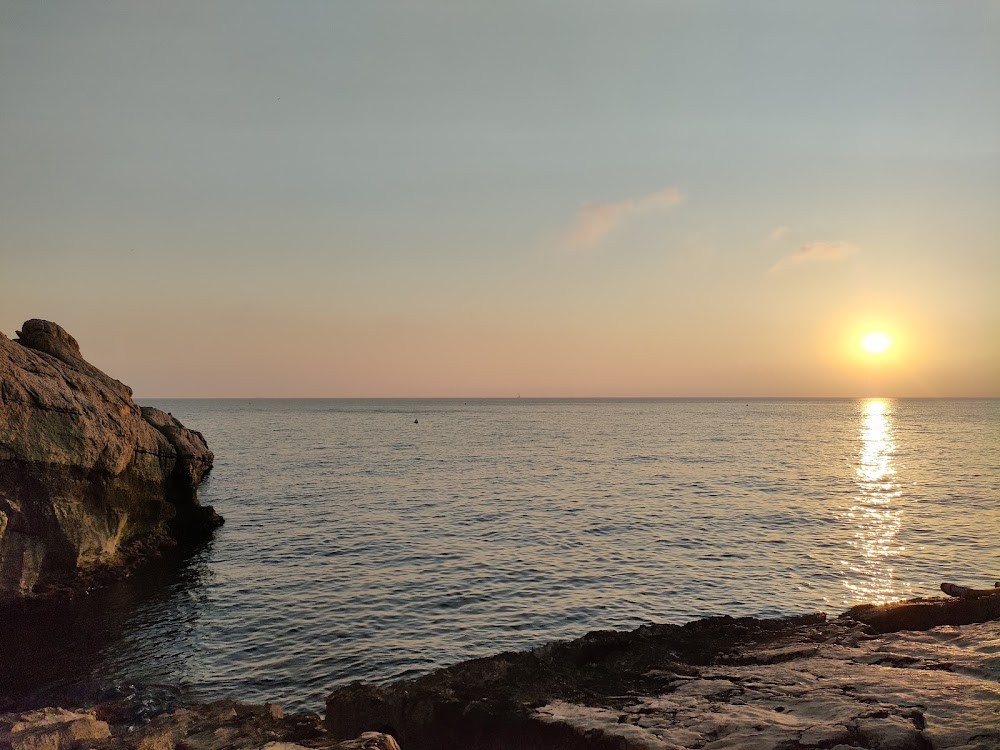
x=107, y=644
x=875, y=516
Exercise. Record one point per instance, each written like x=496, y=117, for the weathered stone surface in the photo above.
x=50, y=729
x=716, y=684
x=213, y=726
x=89, y=482
x=895, y=693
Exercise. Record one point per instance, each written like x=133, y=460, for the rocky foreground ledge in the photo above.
x=721, y=683
x=917, y=675
x=223, y=724
x=90, y=483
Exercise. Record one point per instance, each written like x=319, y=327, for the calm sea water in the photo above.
x=381, y=539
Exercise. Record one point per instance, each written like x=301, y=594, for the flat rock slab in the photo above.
x=936, y=689
x=714, y=684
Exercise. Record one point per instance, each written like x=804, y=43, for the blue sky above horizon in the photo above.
x=462, y=199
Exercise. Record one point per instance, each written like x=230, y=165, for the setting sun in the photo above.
x=876, y=342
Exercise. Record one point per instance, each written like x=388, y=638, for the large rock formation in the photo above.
x=89, y=481
x=721, y=683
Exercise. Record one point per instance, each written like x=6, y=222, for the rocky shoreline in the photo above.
x=916, y=675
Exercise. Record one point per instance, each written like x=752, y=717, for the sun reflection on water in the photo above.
x=875, y=515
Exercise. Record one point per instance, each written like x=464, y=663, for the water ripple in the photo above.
x=359, y=545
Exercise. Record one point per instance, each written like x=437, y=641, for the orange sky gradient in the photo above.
x=678, y=199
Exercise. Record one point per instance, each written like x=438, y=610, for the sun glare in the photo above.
x=875, y=342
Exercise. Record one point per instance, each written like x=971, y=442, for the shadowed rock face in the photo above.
x=90, y=483
x=924, y=614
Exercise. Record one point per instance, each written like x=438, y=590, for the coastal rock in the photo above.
x=720, y=683
x=89, y=481
x=924, y=614
x=212, y=726
x=50, y=729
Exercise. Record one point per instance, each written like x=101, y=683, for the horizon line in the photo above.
x=561, y=398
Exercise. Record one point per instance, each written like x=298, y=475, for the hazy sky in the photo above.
x=484, y=199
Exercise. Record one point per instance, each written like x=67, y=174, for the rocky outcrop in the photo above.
x=50, y=729
x=214, y=726
x=89, y=481
x=792, y=683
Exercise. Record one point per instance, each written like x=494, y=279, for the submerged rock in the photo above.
x=722, y=682
x=90, y=482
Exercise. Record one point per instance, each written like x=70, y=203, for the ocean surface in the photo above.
x=379, y=539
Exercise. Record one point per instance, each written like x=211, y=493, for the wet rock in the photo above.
x=89, y=482
x=713, y=684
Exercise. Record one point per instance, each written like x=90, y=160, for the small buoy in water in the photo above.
x=416, y=421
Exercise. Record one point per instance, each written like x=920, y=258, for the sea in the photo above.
x=381, y=539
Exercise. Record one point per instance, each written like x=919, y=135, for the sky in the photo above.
x=470, y=199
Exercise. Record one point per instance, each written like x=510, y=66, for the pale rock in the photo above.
x=51, y=729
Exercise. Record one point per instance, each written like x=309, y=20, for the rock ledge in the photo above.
x=722, y=683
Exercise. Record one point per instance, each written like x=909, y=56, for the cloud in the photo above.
x=595, y=221
x=778, y=232
x=815, y=252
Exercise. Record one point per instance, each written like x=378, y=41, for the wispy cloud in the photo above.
x=595, y=221
x=778, y=232
x=815, y=252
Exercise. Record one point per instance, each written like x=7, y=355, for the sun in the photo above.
x=875, y=342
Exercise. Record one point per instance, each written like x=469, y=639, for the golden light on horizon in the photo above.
x=876, y=342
